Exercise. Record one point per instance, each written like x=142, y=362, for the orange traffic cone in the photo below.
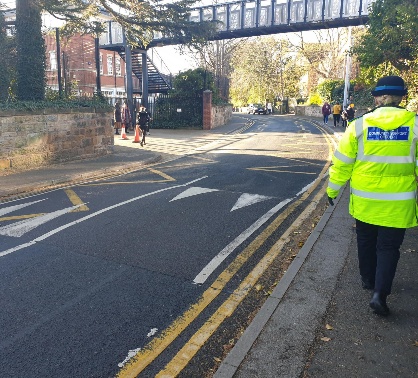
x=137, y=135
x=123, y=134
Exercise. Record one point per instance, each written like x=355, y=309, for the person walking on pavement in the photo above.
x=143, y=119
x=126, y=116
x=344, y=119
x=378, y=153
x=117, y=117
x=326, y=111
x=350, y=112
x=269, y=108
x=336, y=114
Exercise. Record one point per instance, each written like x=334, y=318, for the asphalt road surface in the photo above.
x=131, y=276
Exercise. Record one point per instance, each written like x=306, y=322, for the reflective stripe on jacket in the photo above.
x=378, y=153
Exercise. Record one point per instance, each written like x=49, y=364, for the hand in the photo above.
x=330, y=200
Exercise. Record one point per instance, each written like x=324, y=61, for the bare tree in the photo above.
x=263, y=69
x=324, y=53
x=215, y=57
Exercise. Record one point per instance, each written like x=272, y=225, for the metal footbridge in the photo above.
x=239, y=19
x=262, y=17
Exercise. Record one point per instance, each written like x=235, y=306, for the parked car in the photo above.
x=256, y=109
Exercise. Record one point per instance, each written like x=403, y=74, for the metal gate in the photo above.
x=172, y=111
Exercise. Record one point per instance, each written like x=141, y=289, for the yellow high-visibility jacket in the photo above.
x=378, y=153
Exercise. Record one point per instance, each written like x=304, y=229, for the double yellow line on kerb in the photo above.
x=147, y=355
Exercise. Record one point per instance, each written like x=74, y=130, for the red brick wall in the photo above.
x=81, y=65
x=207, y=110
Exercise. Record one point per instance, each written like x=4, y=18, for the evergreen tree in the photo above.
x=30, y=65
x=391, y=36
x=7, y=59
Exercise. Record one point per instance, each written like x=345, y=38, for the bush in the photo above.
x=82, y=102
x=315, y=99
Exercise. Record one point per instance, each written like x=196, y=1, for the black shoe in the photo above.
x=367, y=284
x=117, y=134
x=378, y=304
x=127, y=132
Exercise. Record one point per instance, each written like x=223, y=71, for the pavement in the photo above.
x=126, y=157
x=316, y=322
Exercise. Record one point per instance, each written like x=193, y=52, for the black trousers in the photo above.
x=378, y=254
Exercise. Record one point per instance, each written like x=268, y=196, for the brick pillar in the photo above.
x=207, y=110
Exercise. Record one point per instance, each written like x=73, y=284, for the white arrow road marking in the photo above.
x=221, y=256
x=10, y=209
x=20, y=228
x=193, y=191
x=247, y=199
x=68, y=225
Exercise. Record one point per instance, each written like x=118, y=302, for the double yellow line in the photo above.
x=147, y=355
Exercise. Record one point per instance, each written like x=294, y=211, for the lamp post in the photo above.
x=347, y=70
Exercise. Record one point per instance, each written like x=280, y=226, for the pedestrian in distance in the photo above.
x=344, y=119
x=126, y=116
x=350, y=112
x=336, y=114
x=378, y=153
x=326, y=111
x=117, y=117
x=143, y=120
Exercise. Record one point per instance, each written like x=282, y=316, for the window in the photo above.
x=118, y=66
x=110, y=65
x=101, y=64
x=53, y=60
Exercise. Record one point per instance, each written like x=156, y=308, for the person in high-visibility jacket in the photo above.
x=378, y=153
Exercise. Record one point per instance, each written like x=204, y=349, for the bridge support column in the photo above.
x=128, y=80
x=144, y=78
x=97, y=58
x=207, y=110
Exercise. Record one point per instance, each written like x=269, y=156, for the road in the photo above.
x=133, y=275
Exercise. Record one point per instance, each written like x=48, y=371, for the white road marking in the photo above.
x=221, y=256
x=17, y=248
x=131, y=354
x=152, y=332
x=305, y=188
x=247, y=199
x=10, y=209
x=65, y=226
x=20, y=228
x=194, y=191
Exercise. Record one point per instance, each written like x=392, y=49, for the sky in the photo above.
x=177, y=62
x=173, y=59
x=9, y=3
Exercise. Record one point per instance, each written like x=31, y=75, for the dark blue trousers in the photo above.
x=378, y=254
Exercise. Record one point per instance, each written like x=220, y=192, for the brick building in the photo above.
x=78, y=67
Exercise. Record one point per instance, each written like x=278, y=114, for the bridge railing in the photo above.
x=113, y=35
x=258, y=14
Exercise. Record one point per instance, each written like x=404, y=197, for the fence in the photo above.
x=175, y=111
